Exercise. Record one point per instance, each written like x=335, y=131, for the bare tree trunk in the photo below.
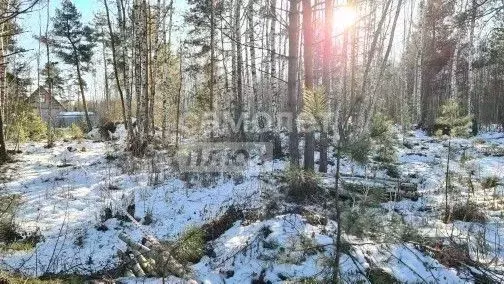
x=383, y=66
x=105, y=75
x=146, y=55
x=138, y=74
x=121, y=15
x=179, y=98
x=3, y=72
x=153, y=40
x=292, y=81
x=50, y=126
x=272, y=56
x=336, y=271
x=309, y=150
x=116, y=71
x=447, y=184
x=167, y=66
x=239, y=74
x=81, y=86
x=470, y=67
x=326, y=79
x=250, y=18
x=212, y=56
x=372, y=50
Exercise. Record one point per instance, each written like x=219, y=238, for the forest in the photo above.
x=251, y=141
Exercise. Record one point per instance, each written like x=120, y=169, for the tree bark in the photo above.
x=309, y=150
x=250, y=18
x=3, y=72
x=116, y=71
x=50, y=126
x=167, y=46
x=292, y=81
x=83, y=97
x=336, y=271
x=470, y=63
x=326, y=79
x=239, y=75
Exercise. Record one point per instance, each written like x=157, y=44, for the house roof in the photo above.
x=34, y=97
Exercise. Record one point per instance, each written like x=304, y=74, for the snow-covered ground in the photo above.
x=65, y=191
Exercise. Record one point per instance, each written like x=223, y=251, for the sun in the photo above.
x=344, y=17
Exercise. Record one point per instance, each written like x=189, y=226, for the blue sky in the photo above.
x=32, y=22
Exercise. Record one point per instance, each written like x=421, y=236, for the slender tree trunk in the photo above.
x=250, y=18
x=50, y=126
x=239, y=74
x=83, y=97
x=179, y=99
x=326, y=79
x=146, y=55
x=212, y=56
x=80, y=83
x=167, y=66
x=336, y=271
x=121, y=16
x=470, y=60
x=3, y=72
x=116, y=71
x=309, y=150
x=373, y=48
x=447, y=185
x=292, y=81
x=272, y=55
x=105, y=75
x=383, y=66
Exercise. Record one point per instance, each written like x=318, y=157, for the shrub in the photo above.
x=302, y=184
x=37, y=129
x=76, y=131
x=148, y=219
x=52, y=279
x=12, y=239
x=468, y=212
x=25, y=125
x=382, y=133
x=490, y=182
x=380, y=127
x=392, y=171
x=378, y=275
x=360, y=223
x=190, y=247
x=359, y=150
x=452, y=118
x=8, y=229
x=8, y=232
x=26, y=242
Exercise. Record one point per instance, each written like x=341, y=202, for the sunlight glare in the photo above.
x=344, y=17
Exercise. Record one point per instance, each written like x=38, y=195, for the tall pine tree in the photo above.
x=74, y=44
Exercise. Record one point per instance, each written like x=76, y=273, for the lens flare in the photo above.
x=344, y=17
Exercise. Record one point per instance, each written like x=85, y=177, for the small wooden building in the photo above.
x=42, y=103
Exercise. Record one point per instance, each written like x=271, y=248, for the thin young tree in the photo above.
x=74, y=45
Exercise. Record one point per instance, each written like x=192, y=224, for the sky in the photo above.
x=36, y=19
x=32, y=22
